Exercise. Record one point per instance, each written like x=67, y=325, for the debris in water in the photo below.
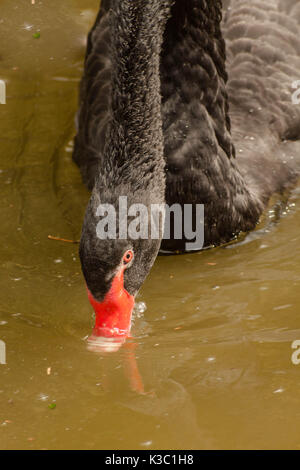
x=50, y=237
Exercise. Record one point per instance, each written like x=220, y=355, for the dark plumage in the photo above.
x=168, y=114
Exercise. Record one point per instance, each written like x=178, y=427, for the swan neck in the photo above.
x=134, y=138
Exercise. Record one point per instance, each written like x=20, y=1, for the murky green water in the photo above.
x=213, y=347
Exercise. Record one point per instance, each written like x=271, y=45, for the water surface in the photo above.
x=212, y=333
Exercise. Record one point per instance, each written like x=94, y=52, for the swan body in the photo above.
x=178, y=105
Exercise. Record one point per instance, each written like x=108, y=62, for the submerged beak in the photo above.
x=113, y=314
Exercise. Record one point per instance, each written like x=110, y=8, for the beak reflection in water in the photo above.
x=104, y=345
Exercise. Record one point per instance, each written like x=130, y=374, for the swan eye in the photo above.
x=127, y=257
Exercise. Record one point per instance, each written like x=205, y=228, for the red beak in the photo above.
x=113, y=314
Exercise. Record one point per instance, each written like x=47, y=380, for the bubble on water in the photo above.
x=43, y=397
x=140, y=308
x=3, y=322
x=70, y=146
x=58, y=260
x=146, y=443
x=27, y=26
x=211, y=359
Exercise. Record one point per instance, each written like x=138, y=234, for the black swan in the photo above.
x=168, y=115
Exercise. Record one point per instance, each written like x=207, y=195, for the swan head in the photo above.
x=114, y=266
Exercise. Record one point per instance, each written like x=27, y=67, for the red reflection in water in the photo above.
x=130, y=366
